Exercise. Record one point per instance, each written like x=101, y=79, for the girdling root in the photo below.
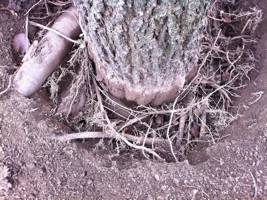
x=201, y=110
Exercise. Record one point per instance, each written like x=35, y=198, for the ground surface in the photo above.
x=235, y=168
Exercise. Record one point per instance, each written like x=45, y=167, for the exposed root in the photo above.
x=115, y=133
x=104, y=135
x=203, y=108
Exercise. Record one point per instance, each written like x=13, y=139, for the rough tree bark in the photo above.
x=144, y=50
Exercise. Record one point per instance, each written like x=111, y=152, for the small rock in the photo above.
x=1, y=36
x=21, y=43
x=2, y=154
x=157, y=177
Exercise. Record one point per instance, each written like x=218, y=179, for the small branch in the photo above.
x=108, y=135
x=33, y=7
x=54, y=31
x=82, y=135
x=258, y=96
x=203, y=124
x=180, y=133
x=27, y=31
x=255, y=192
x=8, y=87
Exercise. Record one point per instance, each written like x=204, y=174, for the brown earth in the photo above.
x=235, y=168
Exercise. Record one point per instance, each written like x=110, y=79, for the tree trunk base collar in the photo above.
x=143, y=50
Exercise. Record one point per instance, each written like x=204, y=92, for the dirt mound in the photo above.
x=36, y=167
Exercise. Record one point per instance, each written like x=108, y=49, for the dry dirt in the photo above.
x=40, y=168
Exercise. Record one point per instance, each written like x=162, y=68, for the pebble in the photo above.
x=2, y=153
x=1, y=36
x=21, y=43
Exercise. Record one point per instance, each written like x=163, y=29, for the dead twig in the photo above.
x=108, y=135
x=258, y=96
x=180, y=133
x=55, y=31
x=8, y=86
x=255, y=187
x=34, y=5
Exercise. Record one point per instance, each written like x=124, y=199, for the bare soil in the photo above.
x=40, y=168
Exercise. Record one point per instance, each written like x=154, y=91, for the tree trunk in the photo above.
x=144, y=50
